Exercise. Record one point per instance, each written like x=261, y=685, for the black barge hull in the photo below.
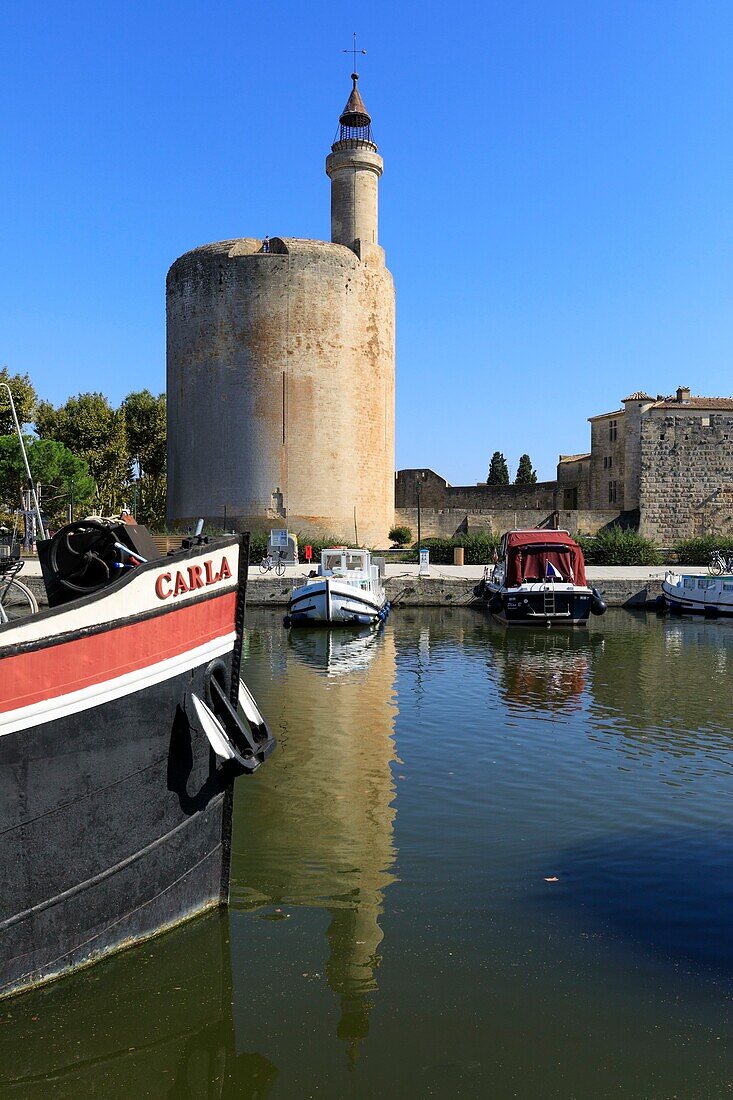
x=115, y=811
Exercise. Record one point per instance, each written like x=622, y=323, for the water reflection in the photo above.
x=664, y=684
x=153, y=1021
x=317, y=828
x=545, y=670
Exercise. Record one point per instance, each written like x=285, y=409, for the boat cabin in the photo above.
x=352, y=566
x=541, y=555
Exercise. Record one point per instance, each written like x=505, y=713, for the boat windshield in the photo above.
x=344, y=561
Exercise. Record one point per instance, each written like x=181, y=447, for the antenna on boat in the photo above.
x=41, y=528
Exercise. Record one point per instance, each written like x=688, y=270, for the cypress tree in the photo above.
x=526, y=473
x=498, y=470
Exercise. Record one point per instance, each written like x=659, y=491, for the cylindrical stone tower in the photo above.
x=281, y=369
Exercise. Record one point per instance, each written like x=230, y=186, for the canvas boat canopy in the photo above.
x=538, y=555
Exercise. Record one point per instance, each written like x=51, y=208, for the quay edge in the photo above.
x=434, y=591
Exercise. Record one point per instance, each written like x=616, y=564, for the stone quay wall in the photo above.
x=686, y=485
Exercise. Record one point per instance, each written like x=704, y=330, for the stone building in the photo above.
x=664, y=464
x=281, y=368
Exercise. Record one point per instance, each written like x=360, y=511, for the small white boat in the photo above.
x=346, y=589
x=698, y=592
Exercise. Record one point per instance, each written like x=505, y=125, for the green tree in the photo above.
x=61, y=474
x=498, y=470
x=145, y=427
x=93, y=430
x=24, y=396
x=526, y=473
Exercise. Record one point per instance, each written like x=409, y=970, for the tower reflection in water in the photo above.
x=318, y=831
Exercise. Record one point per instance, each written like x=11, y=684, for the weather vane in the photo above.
x=353, y=50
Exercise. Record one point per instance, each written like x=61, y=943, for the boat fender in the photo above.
x=597, y=603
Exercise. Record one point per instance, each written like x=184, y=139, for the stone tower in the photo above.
x=281, y=368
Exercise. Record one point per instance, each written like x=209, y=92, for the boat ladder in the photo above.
x=549, y=607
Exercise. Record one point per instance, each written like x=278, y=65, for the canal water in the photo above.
x=480, y=863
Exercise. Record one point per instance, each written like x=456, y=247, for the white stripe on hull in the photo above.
x=48, y=710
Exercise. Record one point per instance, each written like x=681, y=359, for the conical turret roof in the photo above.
x=355, y=113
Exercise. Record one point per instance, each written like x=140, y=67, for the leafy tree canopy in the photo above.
x=498, y=470
x=526, y=473
x=24, y=396
x=60, y=473
x=93, y=430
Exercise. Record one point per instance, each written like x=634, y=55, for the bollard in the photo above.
x=458, y=555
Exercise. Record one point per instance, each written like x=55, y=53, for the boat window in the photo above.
x=689, y=582
x=354, y=561
x=332, y=561
x=702, y=582
x=728, y=586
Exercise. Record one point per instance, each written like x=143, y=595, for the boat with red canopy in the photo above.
x=539, y=578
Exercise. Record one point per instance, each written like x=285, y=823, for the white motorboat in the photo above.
x=346, y=588
x=698, y=592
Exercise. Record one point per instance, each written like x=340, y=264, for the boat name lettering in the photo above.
x=195, y=576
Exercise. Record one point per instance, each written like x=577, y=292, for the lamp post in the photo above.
x=418, y=494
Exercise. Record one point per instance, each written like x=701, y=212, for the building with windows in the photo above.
x=662, y=463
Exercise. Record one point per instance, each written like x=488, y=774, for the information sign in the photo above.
x=424, y=563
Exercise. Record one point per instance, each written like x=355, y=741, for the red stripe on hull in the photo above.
x=51, y=671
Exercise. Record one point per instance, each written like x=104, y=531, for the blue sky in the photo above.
x=556, y=207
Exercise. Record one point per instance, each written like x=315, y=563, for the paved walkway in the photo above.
x=32, y=568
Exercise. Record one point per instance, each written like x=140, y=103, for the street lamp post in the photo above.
x=418, y=494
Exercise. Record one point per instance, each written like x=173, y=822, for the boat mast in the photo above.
x=41, y=528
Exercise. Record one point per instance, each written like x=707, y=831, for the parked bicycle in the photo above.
x=16, y=600
x=720, y=562
x=277, y=563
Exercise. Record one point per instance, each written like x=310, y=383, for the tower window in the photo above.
x=612, y=430
x=612, y=492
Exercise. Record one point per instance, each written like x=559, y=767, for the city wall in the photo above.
x=447, y=522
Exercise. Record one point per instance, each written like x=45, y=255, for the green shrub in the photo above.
x=617, y=546
x=697, y=551
x=478, y=549
x=401, y=535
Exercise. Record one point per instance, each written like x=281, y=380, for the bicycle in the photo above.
x=278, y=564
x=720, y=562
x=16, y=600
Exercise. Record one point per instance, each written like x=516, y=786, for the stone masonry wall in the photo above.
x=437, y=493
x=447, y=522
x=686, y=484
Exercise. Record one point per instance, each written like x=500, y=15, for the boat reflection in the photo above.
x=319, y=832
x=338, y=651
x=543, y=670
x=152, y=1021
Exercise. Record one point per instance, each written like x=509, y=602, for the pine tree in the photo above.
x=526, y=473
x=498, y=470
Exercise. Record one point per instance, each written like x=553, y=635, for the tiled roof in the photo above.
x=574, y=458
x=639, y=396
x=695, y=403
